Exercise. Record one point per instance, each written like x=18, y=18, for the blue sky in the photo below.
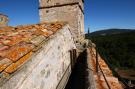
x=99, y=14
x=103, y=14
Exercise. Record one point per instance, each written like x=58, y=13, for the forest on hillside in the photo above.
x=119, y=49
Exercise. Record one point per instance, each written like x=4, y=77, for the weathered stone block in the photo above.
x=70, y=11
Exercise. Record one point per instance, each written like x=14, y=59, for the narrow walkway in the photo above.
x=77, y=78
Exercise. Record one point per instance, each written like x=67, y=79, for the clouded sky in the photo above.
x=99, y=14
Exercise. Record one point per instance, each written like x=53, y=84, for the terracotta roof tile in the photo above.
x=37, y=40
x=4, y=63
x=14, y=66
x=17, y=44
x=100, y=81
x=19, y=50
x=4, y=75
x=4, y=47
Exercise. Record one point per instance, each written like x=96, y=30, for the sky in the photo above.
x=99, y=14
x=104, y=14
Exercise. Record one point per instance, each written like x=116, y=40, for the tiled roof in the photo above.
x=17, y=44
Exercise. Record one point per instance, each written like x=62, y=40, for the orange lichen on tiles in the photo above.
x=19, y=51
x=7, y=28
x=113, y=82
x=14, y=66
x=46, y=34
x=1, y=31
x=18, y=43
x=22, y=49
x=58, y=26
x=4, y=75
x=100, y=81
x=13, y=55
x=4, y=63
x=11, y=68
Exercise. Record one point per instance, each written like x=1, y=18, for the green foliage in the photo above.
x=119, y=48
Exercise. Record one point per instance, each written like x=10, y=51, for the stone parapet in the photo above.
x=90, y=78
x=47, y=65
x=104, y=75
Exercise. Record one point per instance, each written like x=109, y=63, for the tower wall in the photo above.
x=3, y=20
x=70, y=11
x=47, y=3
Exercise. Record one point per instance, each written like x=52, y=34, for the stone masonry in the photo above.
x=42, y=56
x=47, y=67
x=3, y=20
x=71, y=11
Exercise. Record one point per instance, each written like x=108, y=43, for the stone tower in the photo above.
x=3, y=20
x=71, y=11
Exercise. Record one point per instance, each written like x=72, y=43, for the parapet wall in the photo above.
x=46, y=67
x=100, y=77
x=90, y=78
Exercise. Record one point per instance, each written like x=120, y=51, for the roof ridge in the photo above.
x=18, y=44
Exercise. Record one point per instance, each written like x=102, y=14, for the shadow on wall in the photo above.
x=77, y=79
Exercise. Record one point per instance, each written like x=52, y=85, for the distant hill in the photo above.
x=110, y=32
x=120, y=48
x=117, y=48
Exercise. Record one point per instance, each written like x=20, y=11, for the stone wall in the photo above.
x=81, y=22
x=3, y=20
x=47, y=3
x=70, y=14
x=70, y=11
x=46, y=67
x=90, y=78
x=101, y=78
